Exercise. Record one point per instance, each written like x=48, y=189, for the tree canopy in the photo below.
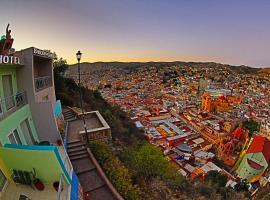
x=216, y=178
x=252, y=126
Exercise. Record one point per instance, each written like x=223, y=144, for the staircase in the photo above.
x=76, y=150
x=69, y=115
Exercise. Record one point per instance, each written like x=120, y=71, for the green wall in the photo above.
x=12, y=122
x=8, y=70
x=43, y=158
x=245, y=171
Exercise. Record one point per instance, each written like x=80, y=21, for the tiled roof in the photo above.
x=260, y=144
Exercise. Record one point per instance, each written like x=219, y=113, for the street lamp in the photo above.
x=79, y=55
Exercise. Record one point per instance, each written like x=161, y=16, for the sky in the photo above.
x=235, y=32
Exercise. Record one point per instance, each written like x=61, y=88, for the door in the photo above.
x=8, y=91
x=28, y=135
x=1, y=105
x=2, y=180
x=14, y=138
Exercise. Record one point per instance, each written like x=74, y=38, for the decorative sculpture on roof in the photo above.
x=6, y=42
x=8, y=33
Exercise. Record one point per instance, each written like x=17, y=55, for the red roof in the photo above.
x=238, y=133
x=222, y=98
x=260, y=144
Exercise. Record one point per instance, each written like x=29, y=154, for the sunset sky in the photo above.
x=232, y=31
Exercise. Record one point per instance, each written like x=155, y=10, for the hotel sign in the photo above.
x=43, y=53
x=6, y=51
x=5, y=59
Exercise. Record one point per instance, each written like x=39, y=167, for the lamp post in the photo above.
x=79, y=55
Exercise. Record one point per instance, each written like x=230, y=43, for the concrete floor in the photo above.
x=13, y=191
x=75, y=126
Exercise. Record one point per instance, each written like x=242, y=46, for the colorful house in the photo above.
x=219, y=103
x=256, y=160
x=33, y=160
x=230, y=147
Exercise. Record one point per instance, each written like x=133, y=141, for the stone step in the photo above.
x=85, y=170
x=75, y=145
x=76, y=142
x=78, y=157
x=76, y=148
x=77, y=153
x=69, y=116
x=96, y=188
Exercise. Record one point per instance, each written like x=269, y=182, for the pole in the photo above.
x=81, y=102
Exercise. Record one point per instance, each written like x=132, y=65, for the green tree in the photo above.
x=216, y=178
x=149, y=162
x=117, y=173
x=252, y=126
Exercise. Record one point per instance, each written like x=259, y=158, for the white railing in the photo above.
x=12, y=103
x=65, y=159
x=63, y=190
x=43, y=82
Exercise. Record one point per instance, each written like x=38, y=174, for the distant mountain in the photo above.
x=86, y=66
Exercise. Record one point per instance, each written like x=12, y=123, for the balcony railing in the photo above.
x=65, y=160
x=63, y=189
x=43, y=82
x=62, y=192
x=12, y=103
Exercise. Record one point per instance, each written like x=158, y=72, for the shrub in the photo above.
x=118, y=174
x=149, y=162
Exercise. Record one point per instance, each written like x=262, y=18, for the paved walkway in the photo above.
x=91, y=180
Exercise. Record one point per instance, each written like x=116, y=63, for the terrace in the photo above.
x=15, y=191
x=43, y=83
x=42, y=73
x=22, y=173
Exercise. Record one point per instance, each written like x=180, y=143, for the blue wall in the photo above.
x=74, y=194
x=57, y=109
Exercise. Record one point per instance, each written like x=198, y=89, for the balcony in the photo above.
x=49, y=164
x=42, y=83
x=11, y=104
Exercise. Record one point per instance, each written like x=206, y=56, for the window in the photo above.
x=2, y=180
x=8, y=91
x=28, y=135
x=1, y=106
x=14, y=138
x=45, y=98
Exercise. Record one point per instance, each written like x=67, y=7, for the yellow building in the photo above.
x=219, y=104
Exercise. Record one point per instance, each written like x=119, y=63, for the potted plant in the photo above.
x=59, y=142
x=38, y=184
x=56, y=186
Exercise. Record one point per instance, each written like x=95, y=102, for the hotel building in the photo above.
x=34, y=163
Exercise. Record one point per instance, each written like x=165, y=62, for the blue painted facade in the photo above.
x=57, y=110
x=74, y=194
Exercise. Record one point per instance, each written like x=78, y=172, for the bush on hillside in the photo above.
x=117, y=173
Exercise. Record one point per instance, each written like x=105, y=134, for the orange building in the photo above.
x=219, y=104
x=207, y=103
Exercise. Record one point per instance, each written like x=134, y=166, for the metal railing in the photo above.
x=63, y=189
x=43, y=82
x=62, y=192
x=12, y=103
x=65, y=159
